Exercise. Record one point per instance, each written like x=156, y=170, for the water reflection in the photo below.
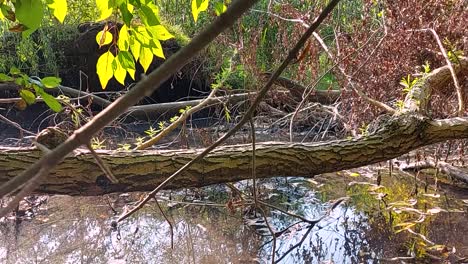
x=77, y=230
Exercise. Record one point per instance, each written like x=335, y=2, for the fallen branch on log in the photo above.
x=448, y=169
x=143, y=170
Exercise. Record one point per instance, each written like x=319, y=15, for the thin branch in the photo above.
x=171, y=227
x=254, y=176
x=461, y=103
x=291, y=56
x=354, y=86
x=16, y=125
x=273, y=234
x=184, y=115
x=102, y=165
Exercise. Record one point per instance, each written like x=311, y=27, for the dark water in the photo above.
x=66, y=229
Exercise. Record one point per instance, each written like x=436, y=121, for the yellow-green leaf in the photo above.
x=131, y=72
x=123, y=43
x=160, y=32
x=135, y=47
x=197, y=7
x=103, y=38
x=104, y=68
x=51, y=82
x=27, y=96
x=104, y=10
x=220, y=8
x=146, y=57
x=157, y=49
x=120, y=73
x=59, y=9
x=29, y=13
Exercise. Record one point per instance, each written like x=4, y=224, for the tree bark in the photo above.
x=144, y=170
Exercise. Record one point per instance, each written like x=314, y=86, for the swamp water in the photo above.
x=364, y=229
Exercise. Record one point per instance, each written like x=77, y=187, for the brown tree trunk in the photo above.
x=142, y=171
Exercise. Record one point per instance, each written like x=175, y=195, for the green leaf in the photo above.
x=59, y=9
x=29, y=13
x=197, y=7
x=146, y=57
x=50, y=101
x=220, y=8
x=123, y=42
x=104, y=9
x=104, y=68
x=27, y=96
x=160, y=32
x=5, y=78
x=149, y=15
x=103, y=38
x=119, y=73
x=51, y=82
x=135, y=47
x=126, y=13
x=14, y=71
x=157, y=49
x=126, y=60
x=131, y=72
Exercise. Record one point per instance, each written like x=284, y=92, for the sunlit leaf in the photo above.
x=104, y=10
x=59, y=9
x=197, y=7
x=104, y=68
x=220, y=8
x=119, y=73
x=131, y=72
x=160, y=32
x=29, y=13
x=149, y=15
x=123, y=42
x=103, y=37
x=354, y=174
x=126, y=13
x=27, y=96
x=135, y=47
x=14, y=71
x=5, y=78
x=146, y=57
x=51, y=82
x=157, y=48
x=50, y=101
x=126, y=60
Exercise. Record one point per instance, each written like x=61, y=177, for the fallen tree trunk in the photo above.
x=144, y=170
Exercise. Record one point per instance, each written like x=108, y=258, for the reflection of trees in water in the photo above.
x=81, y=234
x=77, y=230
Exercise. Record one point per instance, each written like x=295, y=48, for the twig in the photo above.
x=184, y=115
x=254, y=177
x=16, y=125
x=354, y=86
x=461, y=103
x=272, y=232
x=167, y=220
x=102, y=165
x=292, y=55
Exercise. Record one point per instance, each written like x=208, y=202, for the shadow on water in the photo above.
x=78, y=229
